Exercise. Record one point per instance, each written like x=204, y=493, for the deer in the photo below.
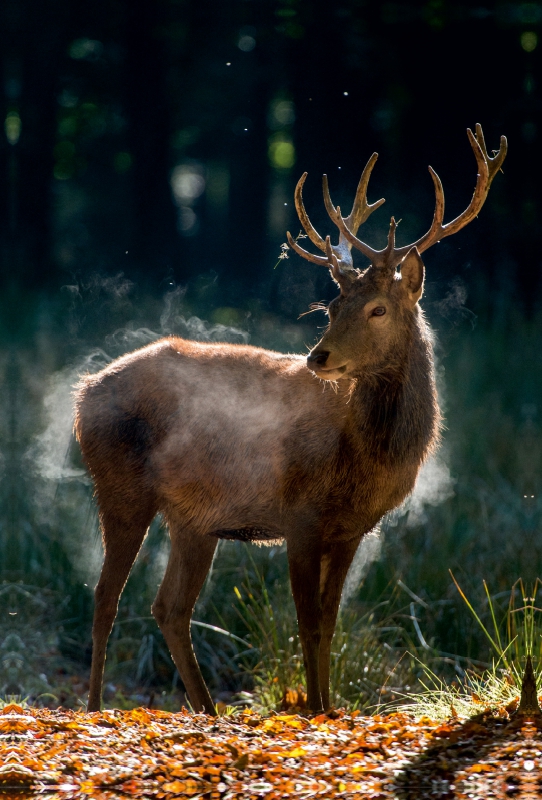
x=235, y=442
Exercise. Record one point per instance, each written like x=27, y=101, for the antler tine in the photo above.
x=391, y=237
x=311, y=232
x=481, y=189
x=361, y=209
x=390, y=256
x=330, y=208
x=494, y=163
x=342, y=258
x=305, y=253
x=360, y=212
x=332, y=259
x=479, y=136
x=374, y=255
x=435, y=232
x=487, y=169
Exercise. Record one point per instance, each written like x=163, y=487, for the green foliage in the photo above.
x=516, y=635
x=490, y=692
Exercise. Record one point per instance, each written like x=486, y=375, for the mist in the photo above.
x=369, y=551
x=434, y=485
x=52, y=456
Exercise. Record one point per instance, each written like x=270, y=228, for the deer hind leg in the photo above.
x=189, y=562
x=123, y=535
x=334, y=566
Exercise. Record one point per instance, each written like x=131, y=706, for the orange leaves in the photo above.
x=477, y=768
x=179, y=787
x=12, y=708
x=296, y=752
x=144, y=753
x=242, y=762
x=277, y=723
x=443, y=731
x=512, y=705
x=294, y=699
x=141, y=752
x=139, y=715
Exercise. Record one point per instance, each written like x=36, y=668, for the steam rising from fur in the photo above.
x=368, y=552
x=452, y=307
x=61, y=486
x=50, y=452
x=172, y=320
x=433, y=486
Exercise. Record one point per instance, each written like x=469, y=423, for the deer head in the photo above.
x=372, y=315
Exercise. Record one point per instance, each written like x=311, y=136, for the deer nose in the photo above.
x=318, y=357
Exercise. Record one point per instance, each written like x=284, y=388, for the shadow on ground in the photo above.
x=482, y=758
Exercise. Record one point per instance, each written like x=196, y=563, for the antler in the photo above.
x=391, y=256
x=338, y=257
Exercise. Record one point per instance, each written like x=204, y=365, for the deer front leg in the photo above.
x=335, y=563
x=304, y=564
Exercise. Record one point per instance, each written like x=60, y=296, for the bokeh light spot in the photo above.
x=67, y=126
x=63, y=171
x=187, y=221
x=282, y=154
x=529, y=41
x=67, y=99
x=281, y=112
x=12, y=127
x=185, y=137
x=246, y=43
x=187, y=183
x=81, y=49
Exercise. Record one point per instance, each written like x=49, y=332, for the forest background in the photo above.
x=149, y=157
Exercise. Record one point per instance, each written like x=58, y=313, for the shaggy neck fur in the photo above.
x=395, y=408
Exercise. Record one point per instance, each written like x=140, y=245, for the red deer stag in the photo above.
x=235, y=442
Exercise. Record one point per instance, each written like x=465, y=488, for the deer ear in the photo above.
x=412, y=275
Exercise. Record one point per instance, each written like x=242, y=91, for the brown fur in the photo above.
x=232, y=441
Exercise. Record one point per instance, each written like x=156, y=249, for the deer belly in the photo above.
x=248, y=534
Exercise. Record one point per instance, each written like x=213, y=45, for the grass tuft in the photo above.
x=516, y=639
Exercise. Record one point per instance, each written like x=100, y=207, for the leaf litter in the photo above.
x=157, y=754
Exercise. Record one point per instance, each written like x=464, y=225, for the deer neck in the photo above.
x=394, y=411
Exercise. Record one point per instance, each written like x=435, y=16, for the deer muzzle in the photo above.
x=324, y=366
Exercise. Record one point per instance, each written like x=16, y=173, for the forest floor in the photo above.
x=156, y=754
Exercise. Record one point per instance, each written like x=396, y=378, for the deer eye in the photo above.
x=379, y=311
